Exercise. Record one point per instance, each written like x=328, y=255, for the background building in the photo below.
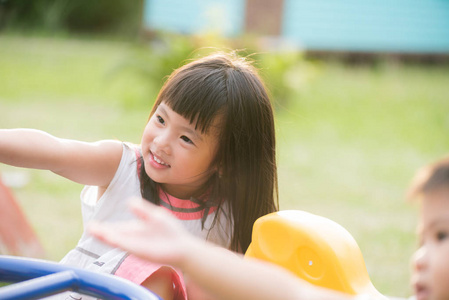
x=394, y=26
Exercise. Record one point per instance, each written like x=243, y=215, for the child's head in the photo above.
x=431, y=260
x=222, y=99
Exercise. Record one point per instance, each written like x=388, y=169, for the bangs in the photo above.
x=199, y=95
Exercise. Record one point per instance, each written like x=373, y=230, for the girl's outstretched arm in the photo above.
x=158, y=237
x=85, y=163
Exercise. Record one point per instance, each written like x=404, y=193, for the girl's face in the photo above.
x=431, y=260
x=175, y=154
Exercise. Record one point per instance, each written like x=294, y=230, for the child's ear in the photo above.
x=219, y=171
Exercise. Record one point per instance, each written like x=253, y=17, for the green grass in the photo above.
x=349, y=141
x=349, y=145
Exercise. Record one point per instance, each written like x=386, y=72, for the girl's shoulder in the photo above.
x=131, y=146
x=132, y=150
x=134, y=154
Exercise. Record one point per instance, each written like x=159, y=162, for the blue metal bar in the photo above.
x=39, y=287
x=16, y=269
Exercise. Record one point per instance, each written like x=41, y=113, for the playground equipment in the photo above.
x=16, y=235
x=38, y=278
x=314, y=248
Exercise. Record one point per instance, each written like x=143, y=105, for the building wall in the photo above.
x=195, y=16
x=369, y=25
x=264, y=17
x=405, y=26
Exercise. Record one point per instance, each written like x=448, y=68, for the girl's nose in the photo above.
x=163, y=143
x=419, y=259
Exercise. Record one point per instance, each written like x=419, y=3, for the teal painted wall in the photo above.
x=417, y=26
x=368, y=25
x=195, y=16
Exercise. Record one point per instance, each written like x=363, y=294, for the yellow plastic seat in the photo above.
x=314, y=248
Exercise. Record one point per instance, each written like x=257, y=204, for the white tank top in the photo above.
x=94, y=255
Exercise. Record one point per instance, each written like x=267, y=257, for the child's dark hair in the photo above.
x=227, y=86
x=430, y=179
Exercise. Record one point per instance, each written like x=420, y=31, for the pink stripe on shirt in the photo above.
x=138, y=270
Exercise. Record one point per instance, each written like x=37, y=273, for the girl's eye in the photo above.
x=441, y=235
x=160, y=120
x=186, y=139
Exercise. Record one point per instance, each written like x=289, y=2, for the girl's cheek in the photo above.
x=148, y=132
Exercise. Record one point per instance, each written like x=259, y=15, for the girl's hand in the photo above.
x=156, y=235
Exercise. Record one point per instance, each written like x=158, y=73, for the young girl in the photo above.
x=207, y=155
x=229, y=277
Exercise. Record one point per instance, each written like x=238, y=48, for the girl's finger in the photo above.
x=141, y=208
x=100, y=231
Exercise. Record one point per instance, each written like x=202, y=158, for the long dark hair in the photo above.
x=228, y=86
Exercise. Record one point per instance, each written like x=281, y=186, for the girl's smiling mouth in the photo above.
x=157, y=161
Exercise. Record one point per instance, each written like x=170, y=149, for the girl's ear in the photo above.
x=219, y=171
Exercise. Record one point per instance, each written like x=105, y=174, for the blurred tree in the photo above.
x=152, y=61
x=285, y=71
x=100, y=16
x=121, y=16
